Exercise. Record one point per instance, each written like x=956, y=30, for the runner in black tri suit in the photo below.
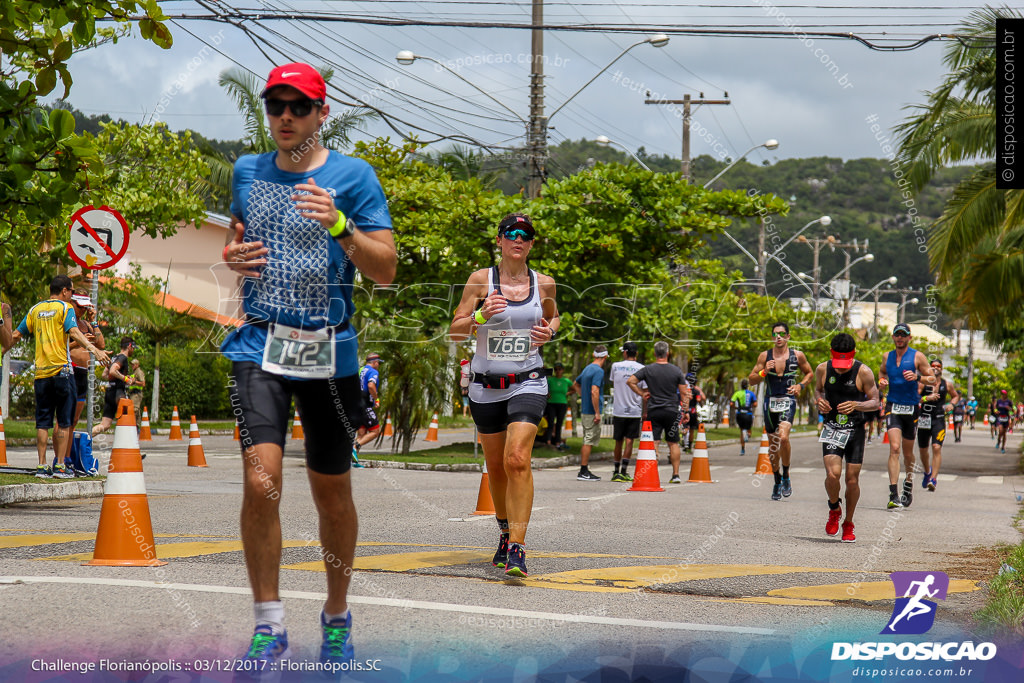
x=844, y=391
x=931, y=425
x=781, y=367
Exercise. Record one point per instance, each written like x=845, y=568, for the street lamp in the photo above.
x=407, y=57
x=604, y=141
x=824, y=220
x=657, y=40
x=877, y=293
x=900, y=308
x=845, y=294
x=769, y=144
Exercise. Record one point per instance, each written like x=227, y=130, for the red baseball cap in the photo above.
x=300, y=76
x=843, y=360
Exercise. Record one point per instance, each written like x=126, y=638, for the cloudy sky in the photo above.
x=812, y=94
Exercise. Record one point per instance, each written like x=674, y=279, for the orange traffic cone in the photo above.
x=700, y=465
x=297, y=432
x=645, y=474
x=952, y=425
x=144, y=432
x=725, y=419
x=175, y=426
x=125, y=534
x=388, y=429
x=985, y=421
x=484, y=502
x=568, y=423
x=237, y=437
x=196, y=456
x=3, y=441
x=432, y=431
x=885, y=439
x=764, y=457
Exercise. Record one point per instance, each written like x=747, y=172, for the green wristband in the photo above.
x=343, y=228
x=479, y=317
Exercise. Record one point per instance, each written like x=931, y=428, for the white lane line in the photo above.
x=802, y=470
x=946, y=477
x=990, y=480
x=404, y=604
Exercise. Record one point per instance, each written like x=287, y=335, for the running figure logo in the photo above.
x=914, y=613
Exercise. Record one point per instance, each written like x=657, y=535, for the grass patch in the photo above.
x=1005, y=609
x=20, y=429
x=8, y=479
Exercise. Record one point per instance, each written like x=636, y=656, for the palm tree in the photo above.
x=244, y=88
x=976, y=247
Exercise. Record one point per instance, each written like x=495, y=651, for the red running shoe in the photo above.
x=848, y=536
x=832, y=525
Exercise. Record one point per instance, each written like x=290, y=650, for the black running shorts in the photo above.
x=332, y=411
x=934, y=433
x=664, y=420
x=853, y=452
x=625, y=428
x=494, y=418
x=905, y=422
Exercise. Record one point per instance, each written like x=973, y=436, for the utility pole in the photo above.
x=537, y=128
x=686, y=102
x=817, y=244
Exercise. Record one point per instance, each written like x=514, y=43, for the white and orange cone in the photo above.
x=196, y=456
x=764, y=456
x=125, y=534
x=484, y=501
x=700, y=466
x=432, y=431
x=388, y=429
x=645, y=473
x=568, y=423
x=237, y=436
x=145, y=434
x=725, y=419
x=3, y=441
x=297, y=431
x=175, y=426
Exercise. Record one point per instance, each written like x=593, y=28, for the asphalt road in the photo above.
x=712, y=578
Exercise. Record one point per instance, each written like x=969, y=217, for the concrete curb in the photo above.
x=30, y=493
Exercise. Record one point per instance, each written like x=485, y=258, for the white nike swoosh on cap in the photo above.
x=290, y=73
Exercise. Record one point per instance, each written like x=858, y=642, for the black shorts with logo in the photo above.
x=934, y=433
x=494, y=418
x=744, y=419
x=906, y=422
x=772, y=420
x=332, y=411
x=852, y=452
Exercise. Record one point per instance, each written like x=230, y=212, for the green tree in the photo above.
x=42, y=160
x=977, y=245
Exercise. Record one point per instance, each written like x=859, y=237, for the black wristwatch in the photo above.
x=347, y=231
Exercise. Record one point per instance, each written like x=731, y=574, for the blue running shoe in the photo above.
x=336, y=650
x=355, y=458
x=262, y=661
x=501, y=555
x=786, y=489
x=927, y=476
x=777, y=492
x=516, y=561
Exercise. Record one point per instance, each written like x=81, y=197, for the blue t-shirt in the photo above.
x=307, y=281
x=592, y=375
x=367, y=375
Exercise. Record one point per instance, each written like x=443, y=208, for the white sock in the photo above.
x=328, y=618
x=270, y=614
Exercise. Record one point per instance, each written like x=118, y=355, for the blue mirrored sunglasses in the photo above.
x=517, y=233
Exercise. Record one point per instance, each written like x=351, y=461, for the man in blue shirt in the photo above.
x=369, y=381
x=304, y=219
x=589, y=385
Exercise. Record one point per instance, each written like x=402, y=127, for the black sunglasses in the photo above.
x=300, y=108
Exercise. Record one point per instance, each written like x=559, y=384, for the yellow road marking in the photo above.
x=166, y=551
x=42, y=539
x=874, y=590
x=624, y=579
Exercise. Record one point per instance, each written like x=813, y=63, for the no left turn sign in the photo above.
x=99, y=237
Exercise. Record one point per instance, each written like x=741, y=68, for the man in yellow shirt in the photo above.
x=52, y=322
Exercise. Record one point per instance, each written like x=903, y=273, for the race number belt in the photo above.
x=508, y=345
x=499, y=381
x=924, y=422
x=958, y=418
x=778, y=404
x=903, y=409
x=835, y=437
x=1004, y=418
x=295, y=352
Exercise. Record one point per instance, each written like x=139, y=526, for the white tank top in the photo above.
x=503, y=344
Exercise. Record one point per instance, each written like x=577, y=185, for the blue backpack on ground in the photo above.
x=81, y=460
